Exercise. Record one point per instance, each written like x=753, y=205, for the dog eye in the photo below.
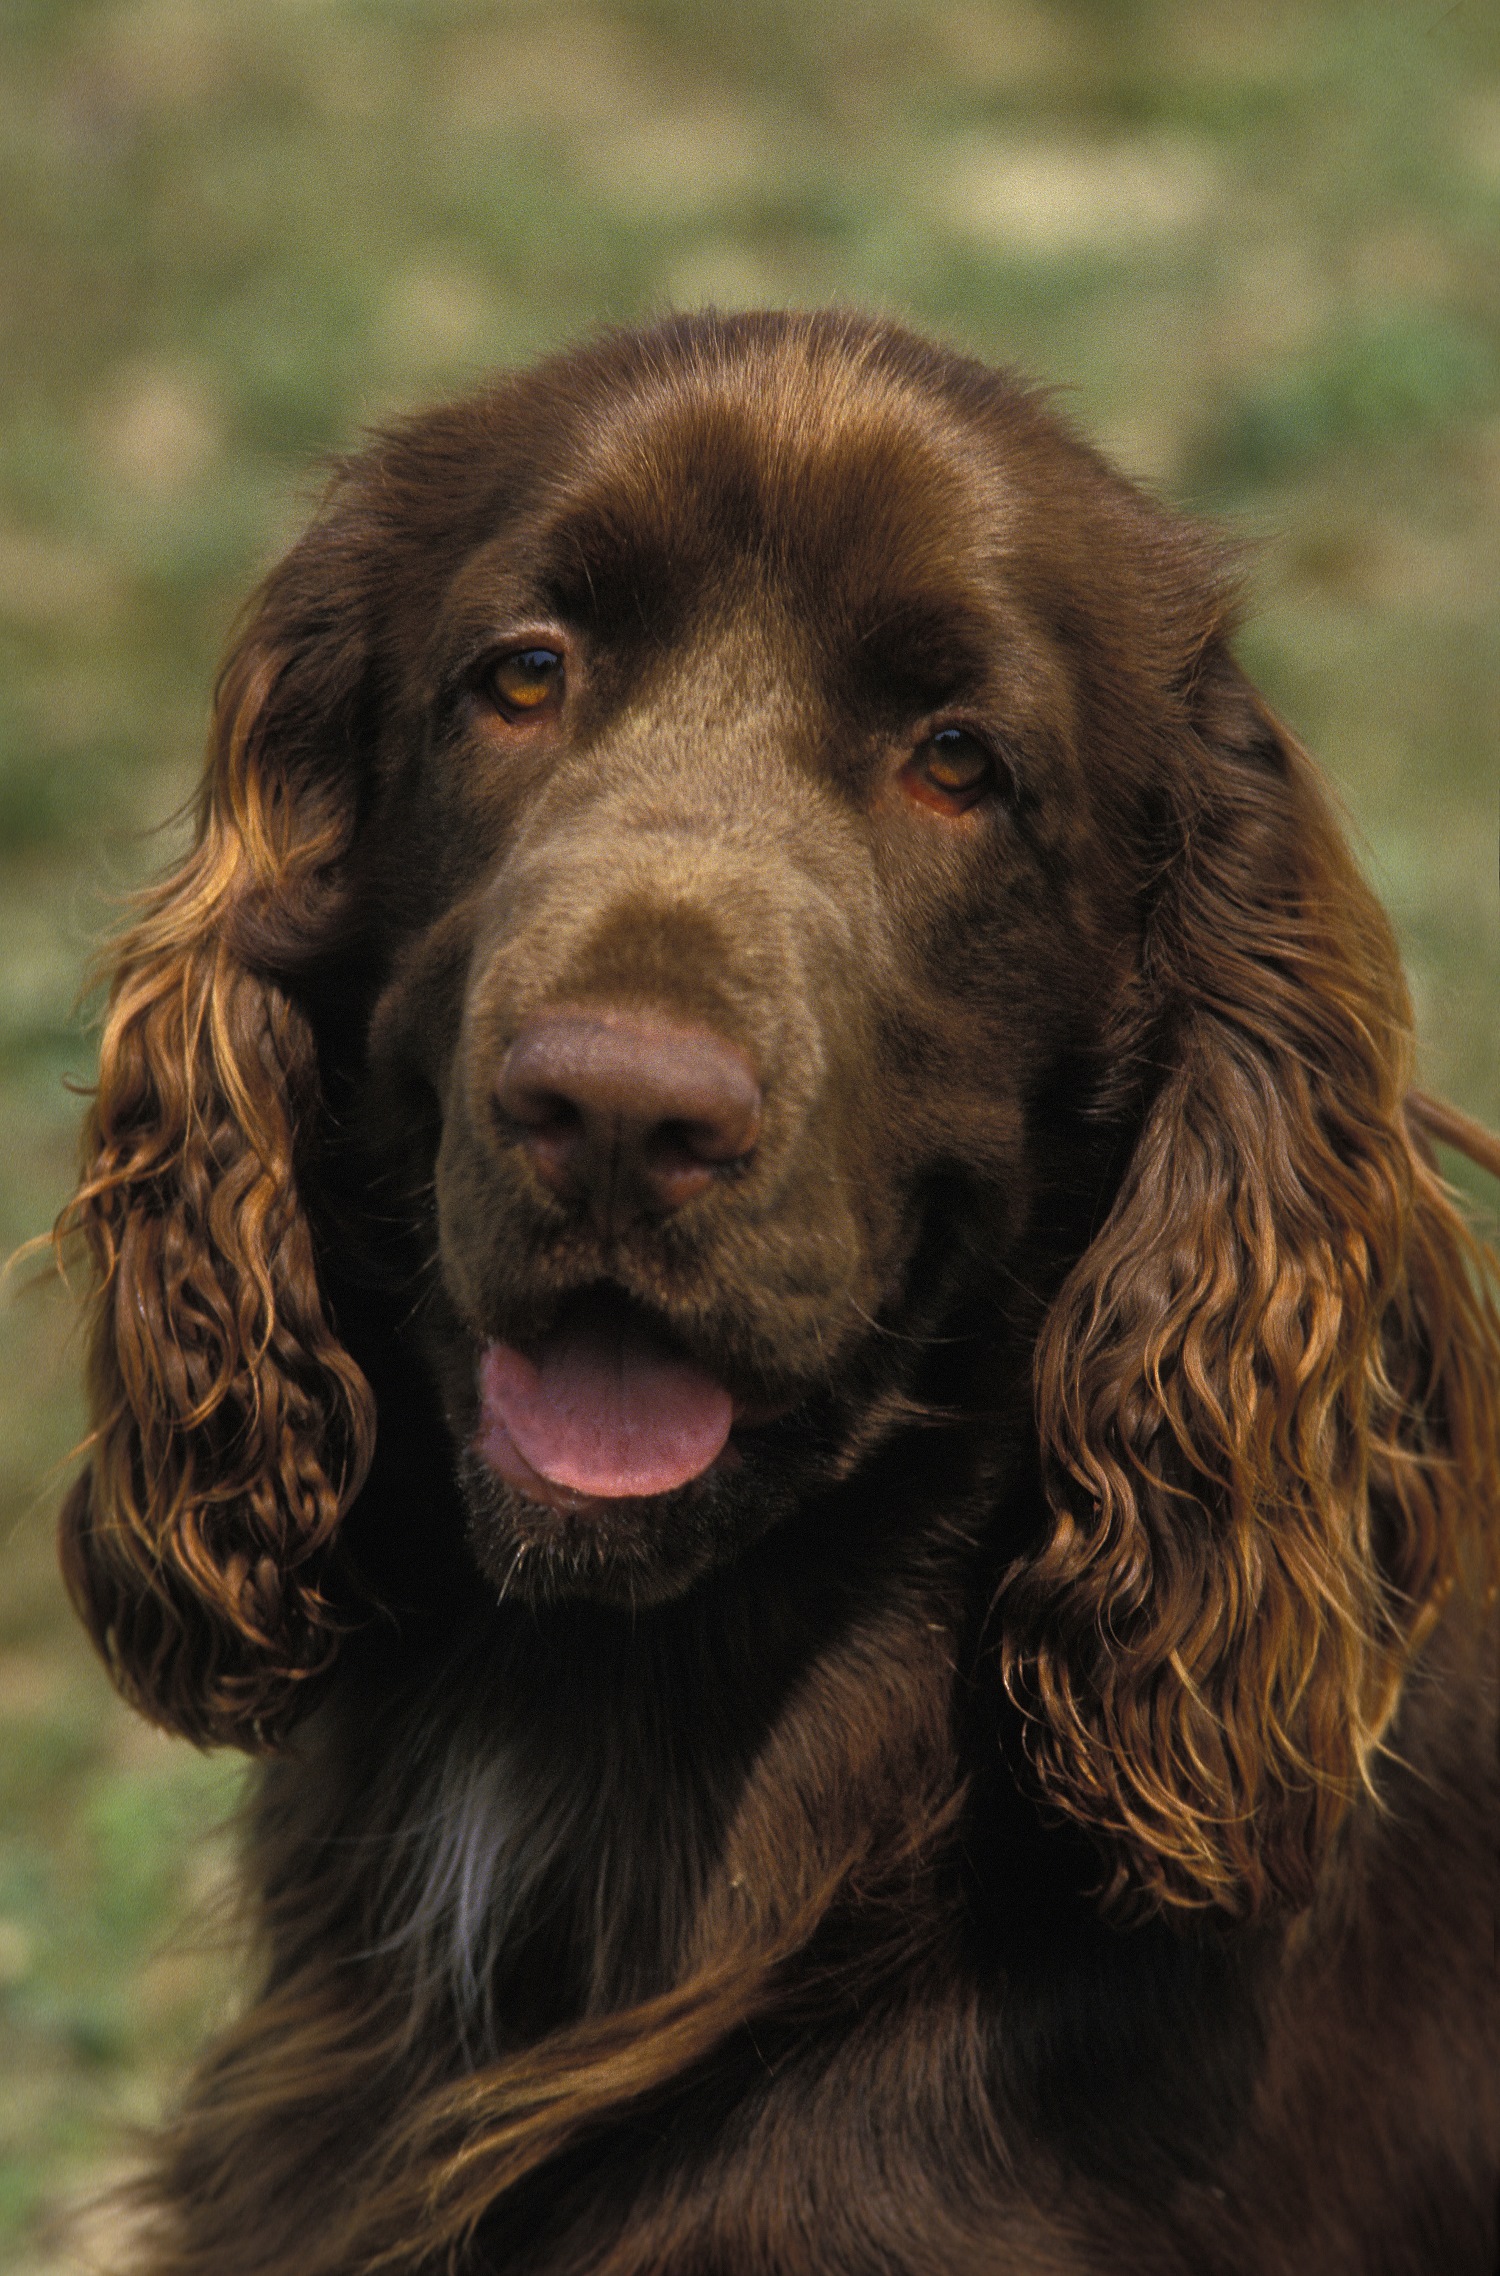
x=951, y=771
x=526, y=681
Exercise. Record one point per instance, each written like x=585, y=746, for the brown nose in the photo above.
x=631, y=1113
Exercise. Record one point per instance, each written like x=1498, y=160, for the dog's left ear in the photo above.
x=1266, y=1393
x=231, y=1429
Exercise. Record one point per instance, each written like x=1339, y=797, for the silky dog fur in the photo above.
x=1031, y=1806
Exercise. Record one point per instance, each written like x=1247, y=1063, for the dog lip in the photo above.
x=499, y=1452
x=530, y=1330
x=608, y=1405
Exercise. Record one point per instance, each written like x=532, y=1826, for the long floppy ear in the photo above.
x=1267, y=1394
x=229, y=1428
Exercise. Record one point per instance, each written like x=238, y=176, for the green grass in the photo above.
x=1253, y=245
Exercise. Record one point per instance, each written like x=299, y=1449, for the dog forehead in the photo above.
x=813, y=472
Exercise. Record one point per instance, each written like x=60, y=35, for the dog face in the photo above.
x=741, y=904
x=749, y=876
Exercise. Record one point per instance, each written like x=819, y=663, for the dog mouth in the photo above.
x=606, y=1407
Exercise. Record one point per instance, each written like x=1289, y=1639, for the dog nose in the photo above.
x=631, y=1113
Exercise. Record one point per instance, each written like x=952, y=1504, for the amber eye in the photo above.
x=951, y=771
x=524, y=682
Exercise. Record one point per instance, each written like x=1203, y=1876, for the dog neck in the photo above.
x=570, y=1808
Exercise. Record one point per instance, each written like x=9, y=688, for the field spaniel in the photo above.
x=773, y=1314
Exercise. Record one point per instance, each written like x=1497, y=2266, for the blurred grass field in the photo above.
x=1257, y=246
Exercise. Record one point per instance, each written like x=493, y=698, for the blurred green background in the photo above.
x=1257, y=246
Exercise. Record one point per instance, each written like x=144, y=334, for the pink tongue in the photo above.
x=604, y=1409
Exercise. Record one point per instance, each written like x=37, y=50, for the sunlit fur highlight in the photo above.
x=1267, y=1397
x=230, y=1428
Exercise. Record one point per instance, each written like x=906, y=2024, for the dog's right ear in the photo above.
x=230, y=1430
x=1265, y=1393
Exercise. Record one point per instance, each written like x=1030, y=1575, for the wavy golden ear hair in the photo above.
x=1266, y=1392
x=230, y=1429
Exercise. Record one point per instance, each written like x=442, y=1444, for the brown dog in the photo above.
x=899, y=1684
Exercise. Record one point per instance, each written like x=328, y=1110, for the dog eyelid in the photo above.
x=955, y=760
x=952, y=769
x=526, y=681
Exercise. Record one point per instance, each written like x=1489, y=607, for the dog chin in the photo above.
x=547, y=1544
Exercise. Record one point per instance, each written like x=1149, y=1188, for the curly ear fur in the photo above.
x=230, y=1429
x=1265, y=1393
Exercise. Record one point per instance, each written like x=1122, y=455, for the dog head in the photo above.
x=742, y=869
